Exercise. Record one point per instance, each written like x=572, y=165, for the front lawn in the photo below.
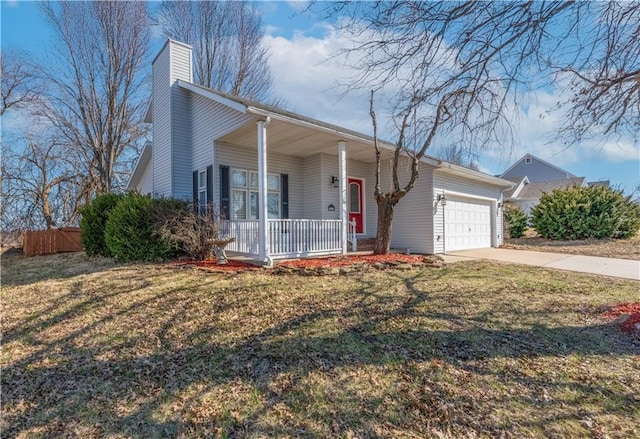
x=93, y=349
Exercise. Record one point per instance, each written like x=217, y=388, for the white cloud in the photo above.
x=307, y=75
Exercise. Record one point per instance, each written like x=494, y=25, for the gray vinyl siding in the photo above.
x=536, y=171
x=171, y=122
x=161, y=159
x=412, y=219
x=331, y=195
x=446, y=182
x=312, y=187
x=210, y=120
x=243, y=158
x=181, y=122
x=181, y=151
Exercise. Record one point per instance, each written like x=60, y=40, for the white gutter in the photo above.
x=476, y=175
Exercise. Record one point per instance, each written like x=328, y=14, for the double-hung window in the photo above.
x=202, y=192
x=244, y=195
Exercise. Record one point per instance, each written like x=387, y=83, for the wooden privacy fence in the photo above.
x=44, y=242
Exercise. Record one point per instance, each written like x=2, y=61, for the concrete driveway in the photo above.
x=624, y=268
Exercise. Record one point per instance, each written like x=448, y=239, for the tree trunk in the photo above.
x=385, y=221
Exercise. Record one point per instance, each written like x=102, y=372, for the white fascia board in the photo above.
x=521, y=185
x=450, y=168
x=214, y=97
x=138, y=169
x=470, y=196
x=148, y=114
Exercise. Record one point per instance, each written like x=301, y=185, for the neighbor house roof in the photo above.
x=534, y=191
x=569, y=174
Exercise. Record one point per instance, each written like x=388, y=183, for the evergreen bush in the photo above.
x=130, y=233
x=585, y=212
x=515, y=221
x=93, y=221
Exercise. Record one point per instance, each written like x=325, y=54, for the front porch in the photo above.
x=292, y=189
x=288, y=238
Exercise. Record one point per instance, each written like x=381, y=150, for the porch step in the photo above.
x=364, y=245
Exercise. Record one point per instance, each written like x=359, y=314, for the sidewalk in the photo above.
x=623, y=268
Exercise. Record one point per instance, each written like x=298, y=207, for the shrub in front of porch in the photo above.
x=195, y=233
x=131, y=233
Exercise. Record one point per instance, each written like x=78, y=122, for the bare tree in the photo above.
x=458, y=155
x=604, y=73
x=42, y=185
x=20, y=85
x=452, y=68
x=95, y=96
x=227, y=42
x=457, y=69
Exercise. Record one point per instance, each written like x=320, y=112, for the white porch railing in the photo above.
x=288, y=238
x=301, y=237
x=246, y=234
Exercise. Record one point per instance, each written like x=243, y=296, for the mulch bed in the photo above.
x=627, y=316
x=321, y=266
x=342, y=261
x=212, y=264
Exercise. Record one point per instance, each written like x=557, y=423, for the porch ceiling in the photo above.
x=291, y=139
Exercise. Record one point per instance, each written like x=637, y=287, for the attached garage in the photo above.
x=471, y=215
x=467, y=224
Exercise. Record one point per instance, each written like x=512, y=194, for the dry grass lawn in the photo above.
x=608, y=248
x=92, y=349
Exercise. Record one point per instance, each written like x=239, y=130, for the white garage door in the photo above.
x=467, y=224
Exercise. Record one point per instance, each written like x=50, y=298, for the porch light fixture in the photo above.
x=335, y=181
x=500, y=205
x=442, y=199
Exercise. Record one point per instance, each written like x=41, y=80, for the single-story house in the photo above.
x=291, y=186
x=533, y=177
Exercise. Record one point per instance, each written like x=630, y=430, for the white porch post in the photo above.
x=263, y=235
x=342, y=176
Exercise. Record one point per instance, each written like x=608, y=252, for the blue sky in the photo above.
x=306, y=81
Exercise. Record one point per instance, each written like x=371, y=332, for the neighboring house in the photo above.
x=536, y=170
x=534, y=177
x=291, y=186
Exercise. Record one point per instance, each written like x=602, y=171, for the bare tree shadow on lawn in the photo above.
x=158, y=394
x=21, y=270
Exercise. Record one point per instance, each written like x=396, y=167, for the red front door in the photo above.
x=355, y=203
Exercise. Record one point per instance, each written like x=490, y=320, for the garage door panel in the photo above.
x=467, y=224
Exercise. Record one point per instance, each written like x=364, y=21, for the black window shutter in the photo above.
x=210, y=185
x=284, y=194
x=195, y=189
x=224, y=192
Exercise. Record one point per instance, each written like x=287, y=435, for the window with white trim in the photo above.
x=202, y=192
x=244, y=195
